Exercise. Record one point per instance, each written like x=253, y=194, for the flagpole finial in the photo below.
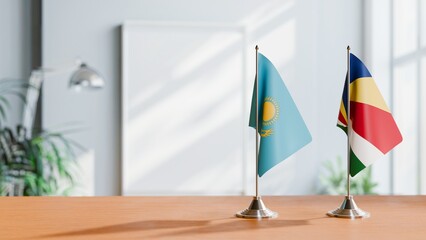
x=257, y=47
x=349, y=48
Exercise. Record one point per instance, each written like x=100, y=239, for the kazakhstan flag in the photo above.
x=281, y=126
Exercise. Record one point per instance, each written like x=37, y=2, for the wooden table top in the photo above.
x=300, y=217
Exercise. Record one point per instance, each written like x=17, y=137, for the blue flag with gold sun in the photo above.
x=281, y=127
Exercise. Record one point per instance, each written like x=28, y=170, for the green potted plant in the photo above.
x=333, y=180
x=41, y=164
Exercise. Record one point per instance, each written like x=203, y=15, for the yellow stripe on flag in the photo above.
x=364, y=90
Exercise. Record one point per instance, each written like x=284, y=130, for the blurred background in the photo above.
x=172, y=115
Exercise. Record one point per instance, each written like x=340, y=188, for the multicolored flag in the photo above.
x=373, y=131
x=281, y=126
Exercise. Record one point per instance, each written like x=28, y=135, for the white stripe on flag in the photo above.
x=366, y=152
x=340, y=123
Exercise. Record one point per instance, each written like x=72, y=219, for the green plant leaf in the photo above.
x=333, y=181
x=47, y=160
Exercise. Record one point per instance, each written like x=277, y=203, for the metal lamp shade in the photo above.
x=86, y=77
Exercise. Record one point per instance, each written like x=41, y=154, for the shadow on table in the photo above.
x=195, y=226
x=129, y=227
x=237, y=225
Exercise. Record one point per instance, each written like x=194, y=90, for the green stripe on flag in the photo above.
x=356, y=164
x=345, y=129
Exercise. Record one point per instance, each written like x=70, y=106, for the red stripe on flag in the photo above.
x=342, y=119
x=375, y=125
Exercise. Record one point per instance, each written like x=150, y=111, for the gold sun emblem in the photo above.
x=271, y=111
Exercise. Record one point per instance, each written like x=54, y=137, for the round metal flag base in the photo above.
x=348, y=209
x=257, y=209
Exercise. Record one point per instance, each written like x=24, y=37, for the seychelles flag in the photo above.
x=373, y=131
x=281, y=126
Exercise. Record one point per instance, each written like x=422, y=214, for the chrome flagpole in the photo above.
x=348, y=209
x=257, y=208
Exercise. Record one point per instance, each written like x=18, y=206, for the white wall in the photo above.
x=15, y=47
x=395, y=54
x=305, y=39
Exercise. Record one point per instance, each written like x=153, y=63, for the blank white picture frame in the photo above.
x=183, y=109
